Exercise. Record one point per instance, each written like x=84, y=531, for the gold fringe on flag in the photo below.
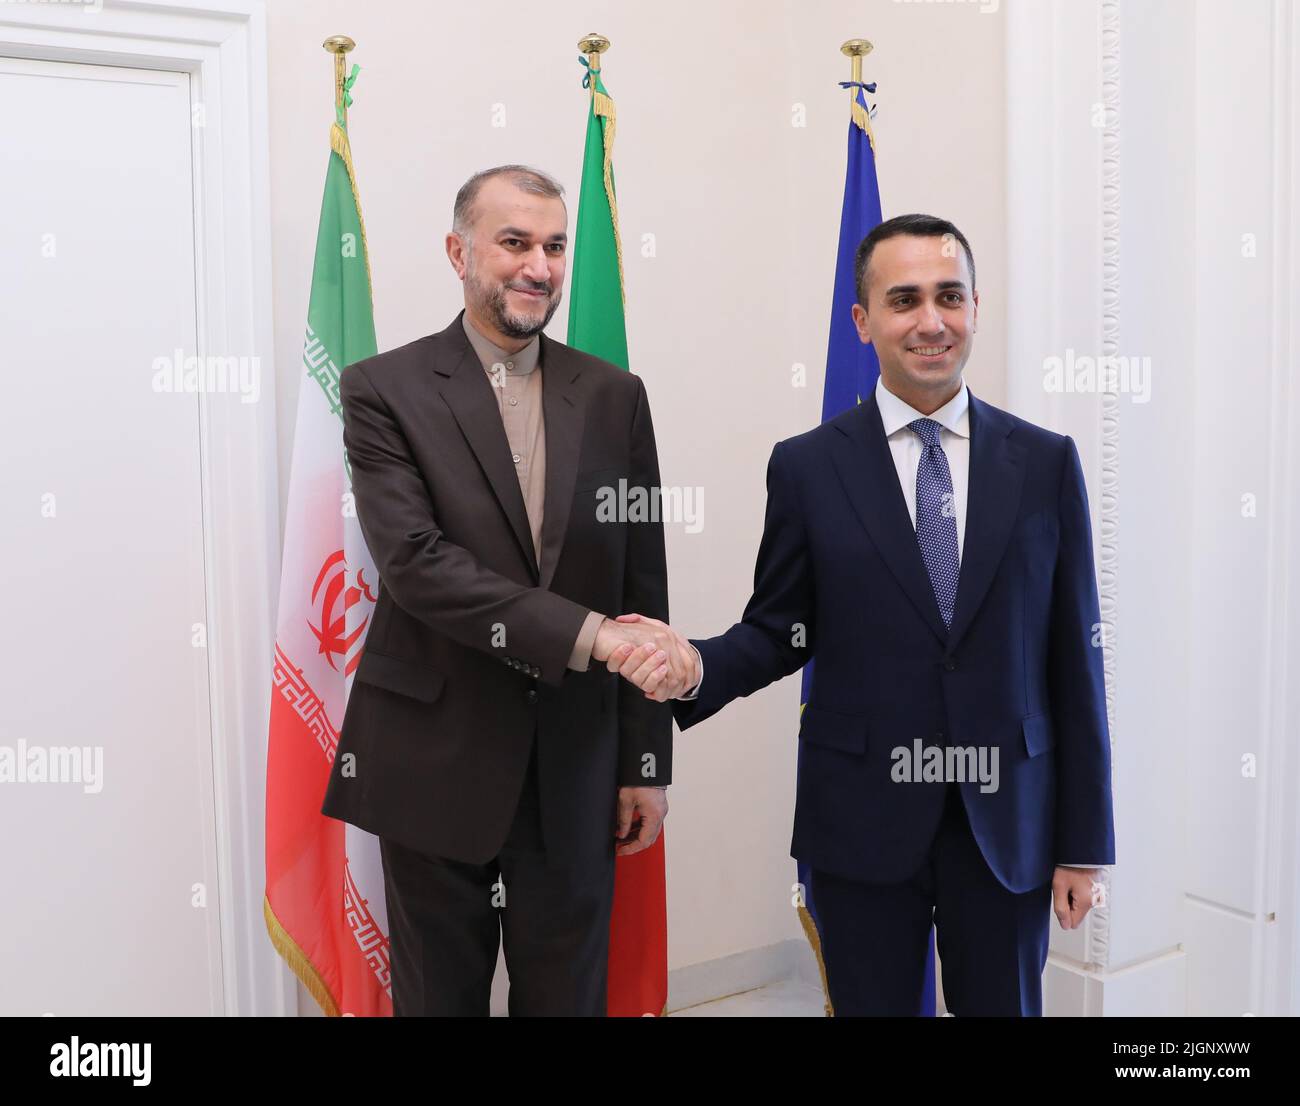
x=863, y=120
x=806, y=918
x=340, y=145
x=815, y=940
x=603, y=106
x=297, y=960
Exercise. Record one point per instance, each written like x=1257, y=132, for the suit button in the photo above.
x=530, y=696
x=950, y=665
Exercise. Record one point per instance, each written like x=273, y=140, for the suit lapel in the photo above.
x=469, y=394
x=866, y=470
x=564, y=419
x=997, y=475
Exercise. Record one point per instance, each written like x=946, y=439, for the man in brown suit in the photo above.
x=499, y=767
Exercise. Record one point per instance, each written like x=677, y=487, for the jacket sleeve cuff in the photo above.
x=694, y=693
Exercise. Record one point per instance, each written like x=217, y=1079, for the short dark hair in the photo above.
x=521, y=176
x=920, y=226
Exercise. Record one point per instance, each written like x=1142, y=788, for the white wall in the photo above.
x=1129, y=239
x=744, y=208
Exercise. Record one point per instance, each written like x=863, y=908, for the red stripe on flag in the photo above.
x=638, y=936
x=306, y=867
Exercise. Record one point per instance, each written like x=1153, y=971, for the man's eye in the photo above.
x=902, y=301
x=556, y=247
x=955, y=297
x=510, y=241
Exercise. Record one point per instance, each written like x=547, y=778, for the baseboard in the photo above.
x=710, y=980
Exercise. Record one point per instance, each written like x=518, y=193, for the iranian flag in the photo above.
x=638, y=938
x=324, y=900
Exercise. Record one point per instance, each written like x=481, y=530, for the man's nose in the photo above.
x=536, y=267
x=931, y=321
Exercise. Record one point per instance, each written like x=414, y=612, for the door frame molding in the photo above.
x=221, y=45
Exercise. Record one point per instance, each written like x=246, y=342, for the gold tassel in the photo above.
x=603, y=106
x=863, y=120
x=806, y=918
x=297, y=960
x=814, y=939
x=340, y=145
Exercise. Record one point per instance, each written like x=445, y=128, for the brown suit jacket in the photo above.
x=466, y=656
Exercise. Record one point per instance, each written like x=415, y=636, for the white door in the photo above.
x=109, y=862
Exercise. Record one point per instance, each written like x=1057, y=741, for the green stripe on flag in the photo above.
x=340, y=315
x=596, y=323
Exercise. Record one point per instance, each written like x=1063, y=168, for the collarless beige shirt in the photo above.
x=516, y=380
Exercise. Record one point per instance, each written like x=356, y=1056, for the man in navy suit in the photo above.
x=934, y=554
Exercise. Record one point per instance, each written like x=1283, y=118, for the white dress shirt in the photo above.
x=906, y=447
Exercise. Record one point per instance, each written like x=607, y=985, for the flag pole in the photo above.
x=593, y=45
x=856, y=49
x=339, y=45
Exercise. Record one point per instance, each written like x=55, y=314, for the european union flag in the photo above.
x=851, y=373
x=851, y=365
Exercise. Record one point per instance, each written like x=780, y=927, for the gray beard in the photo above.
x=493, y=301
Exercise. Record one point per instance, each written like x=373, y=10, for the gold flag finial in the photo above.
x=857, y=49
x=593, y=45
x=339, y=45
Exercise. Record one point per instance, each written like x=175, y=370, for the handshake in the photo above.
x=649, y=654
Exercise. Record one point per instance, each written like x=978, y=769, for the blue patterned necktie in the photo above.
x=936, y=517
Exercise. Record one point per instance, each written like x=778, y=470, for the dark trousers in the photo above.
x=444, y=917
x=992, y=942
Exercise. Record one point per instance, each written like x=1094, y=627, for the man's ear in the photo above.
x=456, y=253
x=861, y=322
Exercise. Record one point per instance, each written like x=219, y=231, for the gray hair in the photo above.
x=523, y=177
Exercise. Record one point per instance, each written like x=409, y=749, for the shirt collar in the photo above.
x=489, y=353
x=895, y=414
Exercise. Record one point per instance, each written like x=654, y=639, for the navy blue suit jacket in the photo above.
x=1017, y=671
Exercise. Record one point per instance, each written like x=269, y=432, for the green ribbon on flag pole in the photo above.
x=347, y=96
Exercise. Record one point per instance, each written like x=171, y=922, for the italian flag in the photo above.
x=324, y=901
x=638, y=938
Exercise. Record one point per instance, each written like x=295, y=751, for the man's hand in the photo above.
x=641, y=814
x=664, y=668
x=613, y=634
x=649, y=653
x=1073, y=894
